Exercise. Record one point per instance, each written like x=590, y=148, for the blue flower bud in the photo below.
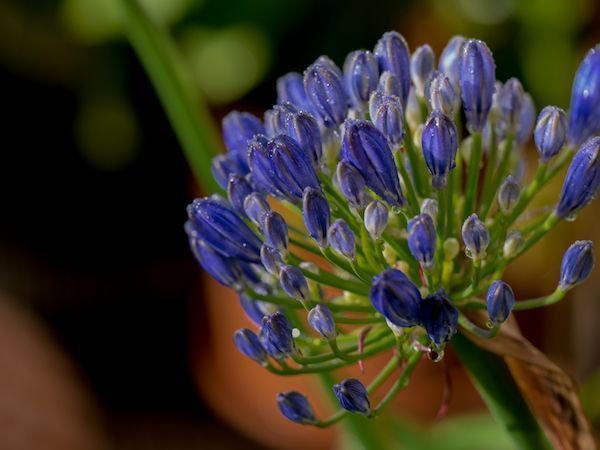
x=238, y=129
x=477, y=77
x=294, y=284
x=513, y=244
x=430, y=206
x=255, y=309
x=510, y=103
x=223, y=167
x=290, y=88
x=238, y=189
x=366, y=148
x=584, y=111
x=450, y=60
x=386, y=114
x=396, y=297
x=271, y=259
x=376, y=218
x=353, y=396
x=276, y=119
x=351, y=183
x=441, y=95
x=390, y=84
x=321, y=320
x=275, y=335
x=550, y=132
x=275, y=230
x=316, y=214
x=421, y=239
x=440, y=144
x=499, y=301
x=422, y=64
x=577, y=264
x=248, y=344
x=263, y=176
x=256, y=208
x=475, y=236
x=325, y=89
x=582, y=180
x=393, y=56
x=295, y=407
x=508, y=194
x=361, y=75
x=341, y=238
x=526, y=121
x=224, y=230
x=304, y=129
x=439, y=317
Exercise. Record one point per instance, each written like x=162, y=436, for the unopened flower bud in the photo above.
x=499, y=301
x=341, y=238
x=550, y=132
x=275, y=335
x=476, y=237
x=396, y=297
x=296, y=408
x=376, y=218
x=577, y=264
x=248, y=344
x=293, y=282
x=513, y=244
x=316, y=214
x=508, y=194
x=321, y=320
x=439, y=317
x=421, y=239
x=353, y=396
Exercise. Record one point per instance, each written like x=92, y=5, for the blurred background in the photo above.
x=108, y=337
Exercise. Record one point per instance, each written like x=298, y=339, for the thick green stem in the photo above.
x=548, y=300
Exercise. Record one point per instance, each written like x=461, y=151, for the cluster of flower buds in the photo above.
x=348, y=205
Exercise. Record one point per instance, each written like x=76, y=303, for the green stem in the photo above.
x=489, y=169
x=411, y=195
x=415, y=162
x=533, y=188
x=476, y=330
x=472, y=176
x=498, y=176
x=551, y=299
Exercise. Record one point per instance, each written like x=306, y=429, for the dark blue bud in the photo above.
x=277, y=119
x=271, y=259
x=396, y=297
x=550, y=132
x=386, y=114
x=321, y=320
x=327, y=61
x=376, y=218
x=324, y=87
x=422, y=64
x=248, y=344
x=390, y=84
x=223, y=167
x=276, y=336
x=361, y=76
x=304, y=129
x=422, y=239
x=294, y=284
x=238, y=189
x=238, y=129
x=290, y=88
x=477, y=77
x=526, y=121
x=351, y=183
x=508, y=194
x=510, y=104
x=316, y=214
x=275, y=230
x=439, y=317
x=256, y=208
x=255, y=309
x=450, y=60
x=393, y=56
x=295, y=407
x=366, y=148
x=499, y=301
x=582, y=180
x=263, y=175
x=222, y=229
x=475, y=236
x=341, y=238
x=584, y=111
x=577, y=264
x=440, y=144
x=353, y=396
x=441, y=95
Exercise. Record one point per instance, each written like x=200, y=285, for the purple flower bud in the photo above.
x=248, y=344
x=255, y=309
x=584, y=111
x=275, y=335
x=582, y=180
x=277, y=119
x=440, y=144
x=325, y=89
x=316, y=214
x=224, y=230
x=304, y=129
x=223, y=167
x=422, y=64
x=510, y=102
x=386, y=114
x=577, y=264
x=295, y=407
x=396, y=297
x=353, y=396
x=238, y=129
x=351, y=183
x=477, y=77
x=450, y=60
x=294, y=284
x=290, y=88
x=526, y=121
x=390, y=84
x=550, y=132
x=264, y=178
x=422, y=239
x=508, y=194
x=376, y=218
x=499, y=301
x=275, y=230
x=439, y=317
x=476, y=237
x=321, y=320
x=441, y=95
x=366, y=148
x=393, y=56
x=238, y=189
x=256, y=208
x=341, y=238
x=271, y=259
x=361, y=75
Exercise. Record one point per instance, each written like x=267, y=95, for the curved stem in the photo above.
x=551, y=299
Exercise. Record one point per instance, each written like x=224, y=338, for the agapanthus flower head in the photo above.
x=296, y=407
x=247, y=342
x=584, y=111
x=499, y=301
x=577, y=264
x=353, y=396
x=550, y=132
x=395, y=296
x=439, y=317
